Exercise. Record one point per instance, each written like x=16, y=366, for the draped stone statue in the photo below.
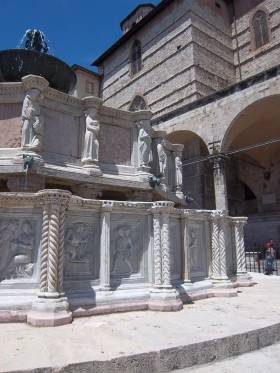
x=162, y=158
x=144, y=145
x=91, y=144
x=178, y=172
x=32, y=121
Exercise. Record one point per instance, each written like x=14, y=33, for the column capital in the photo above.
x=107, y=206
x=218, y=215
x=162, y=207
x=239, y=220
x=54, y=196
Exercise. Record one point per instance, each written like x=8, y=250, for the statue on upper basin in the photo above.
x=35, y=40
x=144, y=143
x=178, y=172
x=163, y=159
x=91, y=144
x=32, y=121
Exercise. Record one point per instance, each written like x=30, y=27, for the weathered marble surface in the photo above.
x=10, y=124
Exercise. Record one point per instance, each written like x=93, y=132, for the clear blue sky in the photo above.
x=78, y=30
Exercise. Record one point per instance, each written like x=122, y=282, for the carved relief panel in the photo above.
x=128, y=254
x=175, y=247
x=198, y=251
x=81, y=248
x=18, y=246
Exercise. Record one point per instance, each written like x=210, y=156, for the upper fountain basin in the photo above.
x=17, y=63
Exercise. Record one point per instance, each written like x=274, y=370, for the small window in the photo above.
x=89, y=87
x=136, y=58
x=137, y=104
x=260, y=28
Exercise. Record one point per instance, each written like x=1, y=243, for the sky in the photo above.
x=78, y=31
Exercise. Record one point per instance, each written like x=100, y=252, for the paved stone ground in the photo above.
x=101, y=338
x=265, y=360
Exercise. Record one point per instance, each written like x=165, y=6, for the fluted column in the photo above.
x=51, y=306
x=163, y=296
x=218, y=246
x=105, y=246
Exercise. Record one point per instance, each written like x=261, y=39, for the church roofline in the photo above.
x=161, y=6
x=135, y=10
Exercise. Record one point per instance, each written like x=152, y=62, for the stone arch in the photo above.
x=255, y=110
x=197, y=174
x=256, y=166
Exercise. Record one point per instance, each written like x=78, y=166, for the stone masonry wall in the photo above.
x=254, y=61
x=184, y=36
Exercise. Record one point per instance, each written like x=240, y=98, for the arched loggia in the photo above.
x=252, y=171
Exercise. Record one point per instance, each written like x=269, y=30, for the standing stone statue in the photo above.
x=162, y=158
x=178, y=172
x=91, y=145
x=32, y=121
x=144, y=145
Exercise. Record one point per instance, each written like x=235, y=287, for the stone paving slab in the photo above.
x=209, y=329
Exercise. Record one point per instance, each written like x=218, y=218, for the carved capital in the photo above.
x=35, y=81
x=92, y=102
x=163, y=207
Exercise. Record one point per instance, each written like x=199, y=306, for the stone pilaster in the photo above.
x=186, y=252
x=51, y=306
x=238, y=230
x=220, y=182
x=105, y=246
x=218, y=246
x=163, y=296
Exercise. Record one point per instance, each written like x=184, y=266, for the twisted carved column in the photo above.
x=54, y=203
x=163, y=296
x=165, y=250
x=218, y=245
x=238, y=226
x=162, y=270
x=157, y=250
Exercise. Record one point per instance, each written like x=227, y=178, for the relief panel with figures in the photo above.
x=18, y=247
x=127, y=254
x=198, y=251
x=81, y=250
x=175, y=248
